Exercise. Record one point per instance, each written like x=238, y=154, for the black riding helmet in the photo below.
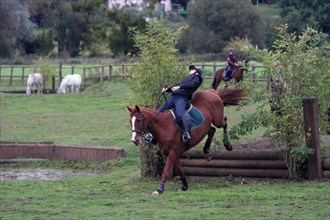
x=198, y=70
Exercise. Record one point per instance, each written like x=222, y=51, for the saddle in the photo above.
x=192, y=117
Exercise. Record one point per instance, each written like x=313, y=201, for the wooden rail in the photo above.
x=103, y=72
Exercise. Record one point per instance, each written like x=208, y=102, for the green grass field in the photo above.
x=98, y=117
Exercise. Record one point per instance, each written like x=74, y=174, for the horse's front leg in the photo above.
x=168, y=167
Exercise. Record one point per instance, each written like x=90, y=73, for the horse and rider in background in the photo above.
x=231, y=71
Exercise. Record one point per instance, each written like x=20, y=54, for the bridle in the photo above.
x=144, y=128
x=147, y=136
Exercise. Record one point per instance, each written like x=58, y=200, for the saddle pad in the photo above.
x=194, y=115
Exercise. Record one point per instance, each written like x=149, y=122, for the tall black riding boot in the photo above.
x=186, y=137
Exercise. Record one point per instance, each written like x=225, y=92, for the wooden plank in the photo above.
x=326, y=164
x=326, y=173
x=241, y=155
x=260, y=164
x=211, y=171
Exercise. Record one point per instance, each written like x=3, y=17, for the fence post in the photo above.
x=101, y=75
x=53, y=84
x=72, y=70
x=0, y=74
x=110, y=72
x=314, y=161
x=23, y=72
x=11, y=75
x=123, y=71
x=214, y=70
x=84, y=76
x=60, y=73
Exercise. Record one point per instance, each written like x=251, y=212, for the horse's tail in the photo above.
x=231, y=96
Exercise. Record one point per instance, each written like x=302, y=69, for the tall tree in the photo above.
x=69, y=26
x=15, y=26
x=213, y=23
x=300, y=13
x=120, y=38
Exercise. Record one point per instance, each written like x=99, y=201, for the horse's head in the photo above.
x=138, y=124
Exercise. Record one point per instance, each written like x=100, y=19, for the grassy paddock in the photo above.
x=98, y=117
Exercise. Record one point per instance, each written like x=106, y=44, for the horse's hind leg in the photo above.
x=225, y=138
x=179, y=168
x=210, y=134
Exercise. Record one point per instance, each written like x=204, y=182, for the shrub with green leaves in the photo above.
x=158, y=65
x=46, y=68
x=301, y=61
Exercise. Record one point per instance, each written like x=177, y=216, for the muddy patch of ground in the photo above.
x=41, y=174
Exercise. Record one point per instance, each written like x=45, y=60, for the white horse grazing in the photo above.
x=37, y=80
x=73, y=81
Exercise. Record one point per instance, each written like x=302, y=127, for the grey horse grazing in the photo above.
x=37, y=80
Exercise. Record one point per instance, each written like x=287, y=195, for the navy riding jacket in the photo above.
x=188, y=86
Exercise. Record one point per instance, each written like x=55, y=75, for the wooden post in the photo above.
x=60, y=73
x=110, y=72
x=101, y=75
x=72, y=70
x=23, y=72
x=122, y=71
x=84, y=76
x=214, y=70
x=314, y=161
x=53, y=84
x=11, y=75
x=0, y=74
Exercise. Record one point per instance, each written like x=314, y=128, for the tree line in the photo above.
x=89, y=28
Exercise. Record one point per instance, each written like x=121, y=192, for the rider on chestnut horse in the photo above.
x=232, y=64
x=181, y=95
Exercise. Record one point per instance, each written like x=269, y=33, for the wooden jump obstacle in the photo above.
x=236, y=163
x=48, y=150
x=242, y=163
x=326, y=167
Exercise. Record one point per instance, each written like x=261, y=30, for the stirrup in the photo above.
x=186, y=137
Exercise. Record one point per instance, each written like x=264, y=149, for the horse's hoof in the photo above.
x=155, y=193
x=229, y=147
x=208, y=157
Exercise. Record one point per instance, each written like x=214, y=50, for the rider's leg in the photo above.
x=167, y=105
x=180, y=108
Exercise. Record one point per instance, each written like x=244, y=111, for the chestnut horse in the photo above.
x=238, y=75
x=162, y=126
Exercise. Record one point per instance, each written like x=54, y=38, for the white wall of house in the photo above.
x=166, y=5
x=122, y=3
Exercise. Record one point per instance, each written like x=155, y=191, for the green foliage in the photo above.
x=213, y=23
x=15, y=27
x=46, y=68
x=300, y=14
x=302, y=63
x=120, y=38
x=239, y=45
x=158, y=65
